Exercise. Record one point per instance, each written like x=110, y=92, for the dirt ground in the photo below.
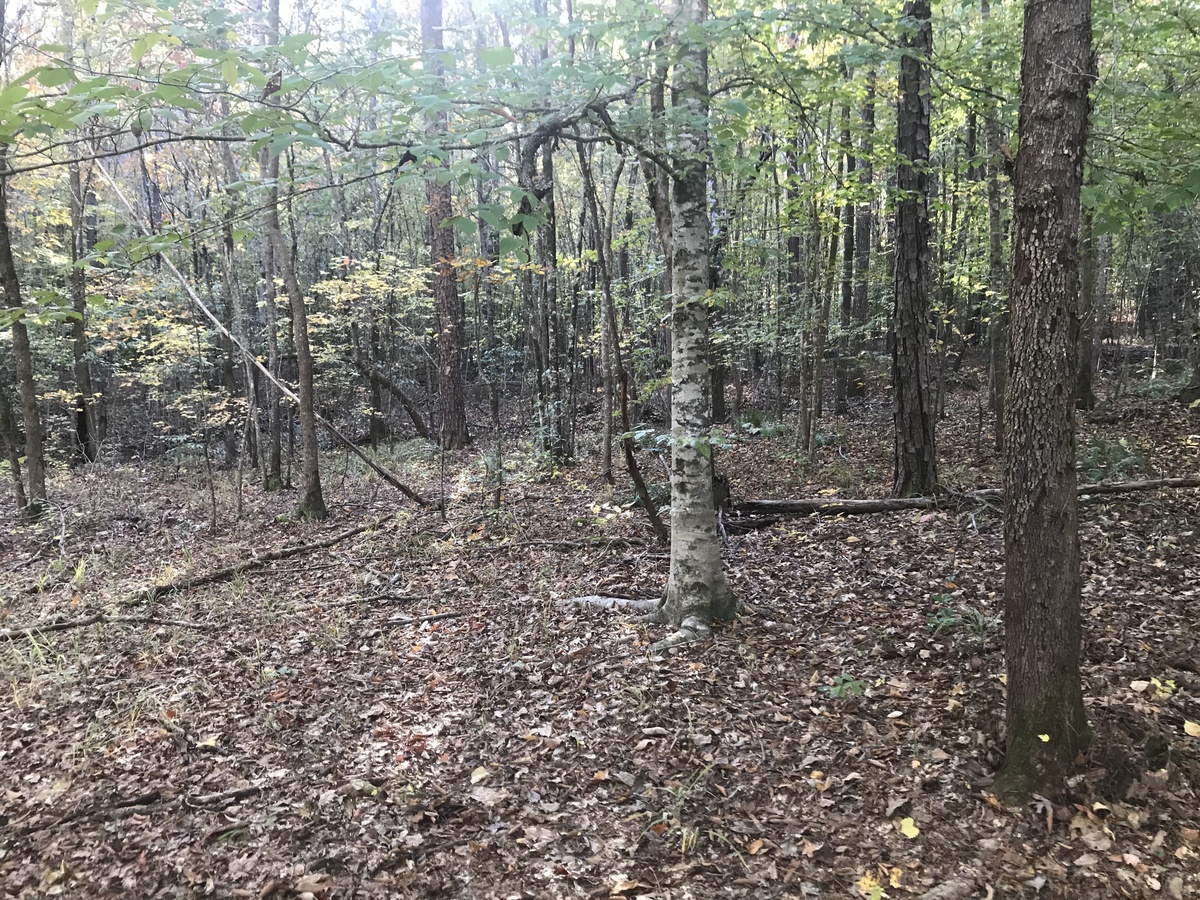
x=291, y=732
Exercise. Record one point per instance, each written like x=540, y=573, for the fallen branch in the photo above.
x=13, y=634
x=257, y=561
x=828, y=507
x=435, y=617
x=221, y=799
x=1129, y=487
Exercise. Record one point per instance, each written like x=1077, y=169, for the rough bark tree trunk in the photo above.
x=915, y=456
x=1046, y=723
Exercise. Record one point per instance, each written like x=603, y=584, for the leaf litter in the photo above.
x=327, y=734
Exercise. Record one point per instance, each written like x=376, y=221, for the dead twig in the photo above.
x=13, y=634
x=257, y=561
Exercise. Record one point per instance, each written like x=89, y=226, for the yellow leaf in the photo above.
x=478, y=774
x=210, y=741
x=600, y=776
x=895, y=877
x=755, y=846
x=851, y=540
x=909, y=828
x=867, y=885
x=1192, y=728
x=1044, y=738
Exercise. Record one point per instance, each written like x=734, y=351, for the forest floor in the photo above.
x=297, y=736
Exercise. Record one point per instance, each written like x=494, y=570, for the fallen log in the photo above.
x=821, y=506
x=824, y=507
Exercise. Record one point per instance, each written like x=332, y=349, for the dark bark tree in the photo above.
x=10, y=444
x=915, y=456
x=444, y=281
x=997, y=299
x=31, y=420
x=1046, y=723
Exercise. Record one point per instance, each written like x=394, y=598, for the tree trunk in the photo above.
x=1093, y=284
x=697, y=592
x=85, y=429
x=312, y=504
x=443, y=281
x=1046, y=723
x=863, y=221
x=846, y=371
x=915, y=456
x=35, y=460
x=997, y=289
x=10, y=442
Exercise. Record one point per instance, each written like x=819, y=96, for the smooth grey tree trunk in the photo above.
x=697, y=593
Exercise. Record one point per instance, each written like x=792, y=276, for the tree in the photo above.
x=312, y=503
x=444, y=281
x=915, y=456
x=697, y=592
x=1047, y=725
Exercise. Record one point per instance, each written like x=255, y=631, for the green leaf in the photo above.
x=464, y=226
x=497, y=56
x=11, y=96
x=145, y=44
x=229, y=70
x=54, y=76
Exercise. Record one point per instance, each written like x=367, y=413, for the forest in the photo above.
x=600, y=448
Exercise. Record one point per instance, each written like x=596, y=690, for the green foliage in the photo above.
x=948, y=617
x=1104, y=460
x=844, y=687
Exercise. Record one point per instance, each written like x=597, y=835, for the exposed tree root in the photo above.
x=692, y=629
x=595, y=601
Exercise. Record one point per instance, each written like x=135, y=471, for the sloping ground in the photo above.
x=836, y=741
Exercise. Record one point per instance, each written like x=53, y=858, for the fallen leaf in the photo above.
x=1192, y=728
x=909, y=828
x=478, y=774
